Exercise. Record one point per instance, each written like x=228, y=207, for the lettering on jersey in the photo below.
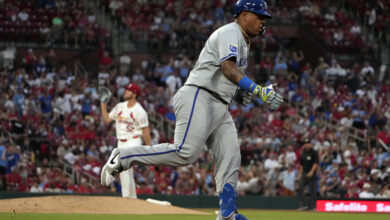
x=129, y=124
x=233, y=48
x=131, y=116
x=242, y=62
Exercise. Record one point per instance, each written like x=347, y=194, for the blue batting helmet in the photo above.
x=256, y=6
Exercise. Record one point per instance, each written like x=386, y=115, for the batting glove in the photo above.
x=243, y=97
x=269, y=96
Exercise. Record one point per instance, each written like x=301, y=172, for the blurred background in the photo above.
x=330, y=60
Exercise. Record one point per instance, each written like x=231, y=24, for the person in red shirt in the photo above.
x=14, y=180
x=105, y=60
x=144, y=189
x=83, y=187
x=70, y=187
x=384, y=139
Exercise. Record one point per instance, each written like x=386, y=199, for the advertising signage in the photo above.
x=353, y=206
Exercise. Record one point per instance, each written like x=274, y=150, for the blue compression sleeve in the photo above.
x=247, y=84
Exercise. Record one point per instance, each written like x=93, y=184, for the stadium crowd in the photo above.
x=54, y=23
x=53, y=119
x=51, y=124
x=185, y=25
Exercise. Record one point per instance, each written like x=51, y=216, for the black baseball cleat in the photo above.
x=111, y=168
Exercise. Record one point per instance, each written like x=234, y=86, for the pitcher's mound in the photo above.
x=89, y=205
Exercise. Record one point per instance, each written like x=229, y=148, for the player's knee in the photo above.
x=189, y=154
x=187, y=159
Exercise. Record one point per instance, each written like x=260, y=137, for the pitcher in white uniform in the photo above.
x=202, y=108
x=132, y=124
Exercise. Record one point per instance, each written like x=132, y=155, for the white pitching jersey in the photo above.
x=129, y=121
x=226, y=42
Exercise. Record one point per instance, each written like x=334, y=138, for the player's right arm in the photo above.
x=105, y=116
x=267, y=94
x=231, y=72
x=227, y=46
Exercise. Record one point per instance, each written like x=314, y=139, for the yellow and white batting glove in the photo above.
x=269, y=96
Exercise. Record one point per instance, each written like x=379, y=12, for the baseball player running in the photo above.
x=131, y=123
x=201, y=108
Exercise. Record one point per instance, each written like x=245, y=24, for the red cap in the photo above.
x=134, y=88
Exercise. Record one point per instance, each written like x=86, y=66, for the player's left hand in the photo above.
x=243, y=97
x=104, y=94
x=269, y=96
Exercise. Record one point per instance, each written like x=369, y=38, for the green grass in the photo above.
x=251, y=214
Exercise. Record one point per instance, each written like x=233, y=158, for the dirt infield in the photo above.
x=88, y=205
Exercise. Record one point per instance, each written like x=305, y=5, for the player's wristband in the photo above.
x=247, y=84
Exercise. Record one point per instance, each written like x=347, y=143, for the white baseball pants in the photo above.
x=127, y=176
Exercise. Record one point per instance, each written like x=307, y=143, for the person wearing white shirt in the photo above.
x=291, y=157
x=121, y=82
x=287, y=181
x=367, y=69
x=35, y=188
x=23, y=16
x=366, y=194
x=70, y=157
x=62, y=104
x=132, y=126
x=103, y=77
x=271, y=165
x=355, y=29
x=137, y=76
x=174, y=82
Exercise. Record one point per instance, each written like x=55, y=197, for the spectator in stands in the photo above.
x=287, y=180
x=14, y=180
x=338, y=36
x=71, y=156
x=281, y=66
x=105, y=60
x=46, y=104
x=44, y=33
x=144, y=189
x=62, y=150
x=3, y=164
x=41, y=67
x=367, y=70
x=29, y=60
x=23, y=16
x=295, y=60
x=121, y=82
x=114, y=6
x=12, y=158
x=355, y=29
x=104, y=77
x=366, y=193
x=35, y=188
x=272, y=166
x=70, y=32
x=18, y=100
x=138, y=77
x=291, y=156
x=86, y=105
x=174, y=82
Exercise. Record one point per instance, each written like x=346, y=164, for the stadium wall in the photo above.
x=201, y=201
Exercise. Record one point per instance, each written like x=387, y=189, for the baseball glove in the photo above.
x=104, y=94
x=243, y=97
